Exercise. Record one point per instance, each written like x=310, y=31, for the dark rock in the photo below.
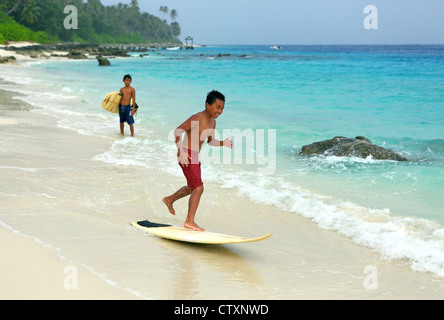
x=7, y=59
x=76, y=50
x=103, y=61
x=115, y=52
x=56, y=55
x=77, y=55
x=360, y=147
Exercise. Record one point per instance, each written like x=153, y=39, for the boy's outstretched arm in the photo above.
x=218, y=143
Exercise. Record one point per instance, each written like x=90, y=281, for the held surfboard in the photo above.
x=187, y=235
x=112, y=100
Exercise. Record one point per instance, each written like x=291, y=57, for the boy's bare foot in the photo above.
x=193, y=226
x=169, y=205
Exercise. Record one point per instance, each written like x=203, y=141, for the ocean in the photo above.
x=277, y=102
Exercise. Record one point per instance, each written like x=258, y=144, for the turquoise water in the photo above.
x=393, y=95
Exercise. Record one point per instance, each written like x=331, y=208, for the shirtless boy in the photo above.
x=198, y=128
x=126, y=111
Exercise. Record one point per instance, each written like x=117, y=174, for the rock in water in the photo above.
x=103, y=61
x=360, y=147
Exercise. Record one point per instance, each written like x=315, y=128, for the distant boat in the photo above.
x=276, y=47
x=173, y=48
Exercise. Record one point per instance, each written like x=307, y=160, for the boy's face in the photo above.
x=216, y=108
x=127, y=81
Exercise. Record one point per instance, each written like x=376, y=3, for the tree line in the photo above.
x=122, y=23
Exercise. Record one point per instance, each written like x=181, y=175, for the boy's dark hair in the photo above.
x=213, y=96
x=127, y=76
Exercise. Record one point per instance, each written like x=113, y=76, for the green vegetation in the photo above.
x=42, y=21
x=12, y=31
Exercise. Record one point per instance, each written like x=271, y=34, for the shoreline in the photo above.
x=16, y=52
x=319, y=264
x=32, y=269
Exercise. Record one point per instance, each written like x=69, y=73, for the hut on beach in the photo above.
x=189, y=42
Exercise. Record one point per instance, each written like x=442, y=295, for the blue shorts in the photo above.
x=125, y=114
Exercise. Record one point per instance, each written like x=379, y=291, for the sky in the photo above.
x=280, y=22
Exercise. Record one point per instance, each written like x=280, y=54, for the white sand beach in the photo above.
x=30, y=270
x=19, y=57
x=62, y=208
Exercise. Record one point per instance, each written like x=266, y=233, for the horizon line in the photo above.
x=320, y=44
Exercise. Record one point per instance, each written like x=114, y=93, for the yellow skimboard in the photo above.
x=187, y=235
x=112, y=100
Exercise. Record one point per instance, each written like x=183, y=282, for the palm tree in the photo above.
x=26, y=11
x=10, y=6
x=135, y=5
x=175, y=29
x=94, y=8
x=164, y=10
x=173, y=15
x=30, y=13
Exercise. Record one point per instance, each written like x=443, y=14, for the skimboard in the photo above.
x=187, y=235
x=112, y=100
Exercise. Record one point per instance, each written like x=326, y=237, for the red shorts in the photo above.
x=192, y=172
